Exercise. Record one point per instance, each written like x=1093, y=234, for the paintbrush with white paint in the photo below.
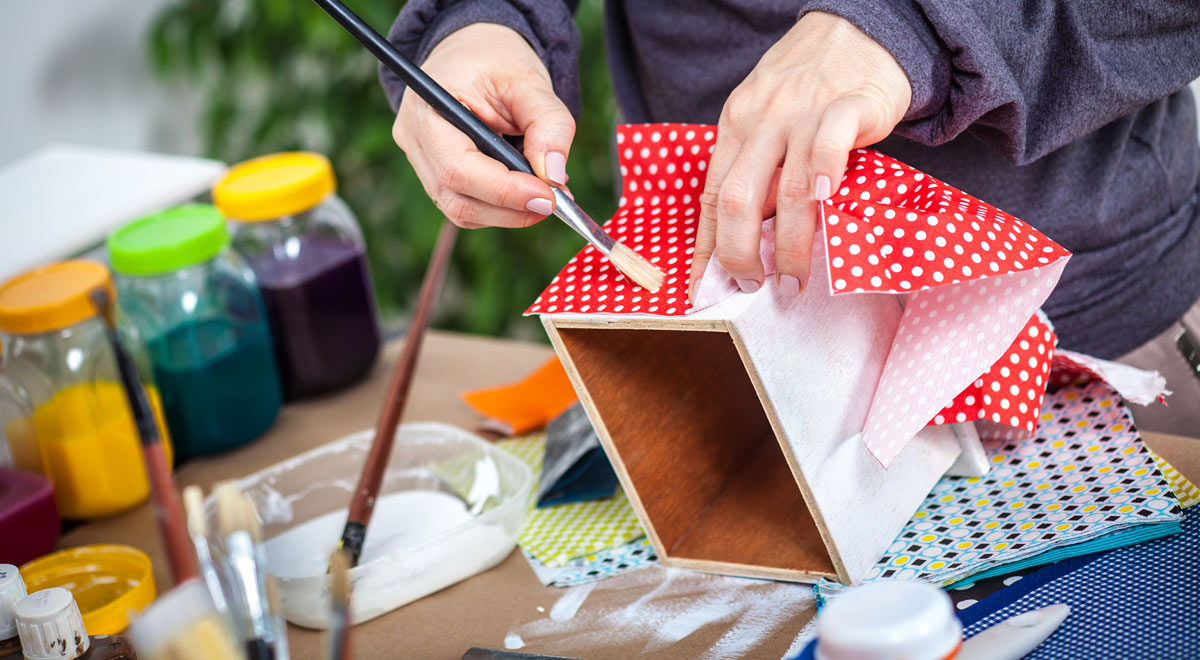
x=339, y=595
x=246, y=572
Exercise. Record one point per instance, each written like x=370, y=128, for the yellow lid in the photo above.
x=52, y=297
x=273, y=186
x=108, y=582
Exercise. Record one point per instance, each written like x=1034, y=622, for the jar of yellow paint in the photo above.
x=18, y=445
x=57, y=355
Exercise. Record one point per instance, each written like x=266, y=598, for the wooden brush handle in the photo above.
x=363, y=504
x=168, y=511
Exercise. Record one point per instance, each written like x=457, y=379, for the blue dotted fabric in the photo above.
x=1137, y=602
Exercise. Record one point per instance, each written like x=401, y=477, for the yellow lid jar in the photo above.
x=57, y=355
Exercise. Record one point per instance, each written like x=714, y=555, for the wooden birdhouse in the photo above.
x=791, y=437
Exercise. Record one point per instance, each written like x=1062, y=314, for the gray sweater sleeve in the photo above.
x=548, y=26
x=1029, y=77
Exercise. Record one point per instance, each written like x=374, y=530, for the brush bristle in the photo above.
x=229, y=508
x=274, y=600
x=250, y=518
x=633, y=266
x=339, y=567
x=193, y=504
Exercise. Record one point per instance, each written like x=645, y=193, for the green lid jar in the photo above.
x=196, y=306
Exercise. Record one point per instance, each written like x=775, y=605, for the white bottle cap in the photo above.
x=50, y=626
x=12, y=589
x=889, y=620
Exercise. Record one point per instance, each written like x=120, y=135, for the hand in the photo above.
x=492, y=70
x=783, y=140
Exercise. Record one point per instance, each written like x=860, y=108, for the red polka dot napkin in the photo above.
x=968, y=346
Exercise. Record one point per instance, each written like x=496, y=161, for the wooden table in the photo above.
x=654, y=612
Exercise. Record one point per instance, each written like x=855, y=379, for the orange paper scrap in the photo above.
x=528, y=404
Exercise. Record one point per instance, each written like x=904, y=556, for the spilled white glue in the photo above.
x=679, y=604
x=513, y=641
x=400, y=520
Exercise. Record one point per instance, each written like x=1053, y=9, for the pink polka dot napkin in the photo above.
x=971, y=278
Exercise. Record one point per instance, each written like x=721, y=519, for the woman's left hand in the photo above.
x=783, y=140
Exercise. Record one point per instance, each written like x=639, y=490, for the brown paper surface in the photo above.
x=484, y=610
x=652, y=613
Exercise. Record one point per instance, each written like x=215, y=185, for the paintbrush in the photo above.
x=165, y=499
x=362, y=505
x=339, y=592
x=628, y=262
x=245, y=563
x=197, y=522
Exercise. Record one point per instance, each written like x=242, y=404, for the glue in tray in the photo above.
x=451, y=506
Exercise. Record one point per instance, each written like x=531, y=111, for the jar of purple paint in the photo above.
x=307, y=251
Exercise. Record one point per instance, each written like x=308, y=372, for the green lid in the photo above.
x=176, y=238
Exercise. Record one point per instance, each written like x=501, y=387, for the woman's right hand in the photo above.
x=494, y=71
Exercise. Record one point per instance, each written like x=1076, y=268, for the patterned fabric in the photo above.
x=555, y=535
x=606, y=563
x=1084, y=474
x=1138, y=601
x=1187, y=492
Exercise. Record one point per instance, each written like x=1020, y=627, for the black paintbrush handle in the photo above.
x=450, y=108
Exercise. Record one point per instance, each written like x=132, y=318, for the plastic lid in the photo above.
x=169, y=240
x=50, y=626
x=273, y=186
x=111, y=581
x=52, y=297
x=887, y=620
x=12, y=589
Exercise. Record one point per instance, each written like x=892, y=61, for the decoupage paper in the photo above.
x=972, y=275
x=1084, y=474
x=557, y=534
x=589, y=568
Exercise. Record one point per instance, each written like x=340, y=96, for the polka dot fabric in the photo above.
x=1011, y=391
x=893, y=229
x=1135, y=602
x=1084, y=474
x=946, y=339
x=662, y=171
x=974, y=276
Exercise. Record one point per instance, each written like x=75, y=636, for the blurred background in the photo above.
x=233, y=79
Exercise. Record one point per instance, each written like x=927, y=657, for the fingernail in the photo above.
x=790, y=285
x=556, y=167
x=749, y=286
x=821, y=188
x=540, y=206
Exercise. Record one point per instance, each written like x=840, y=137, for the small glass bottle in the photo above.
x=51, y=628
x=307, y=250
x=12, y=590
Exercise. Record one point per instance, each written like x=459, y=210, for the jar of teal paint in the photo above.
x=196, y=305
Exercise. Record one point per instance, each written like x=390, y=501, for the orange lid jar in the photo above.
x=57, y=355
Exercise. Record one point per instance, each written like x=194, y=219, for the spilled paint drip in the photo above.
x=568, y=605
x=678, y=605
x=513, y=641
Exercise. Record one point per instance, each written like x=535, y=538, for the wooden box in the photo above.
x=736, y=430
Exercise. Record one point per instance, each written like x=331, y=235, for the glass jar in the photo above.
x=196, y=306
x=307, y=250
x=18, y=443
x=57, y=352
